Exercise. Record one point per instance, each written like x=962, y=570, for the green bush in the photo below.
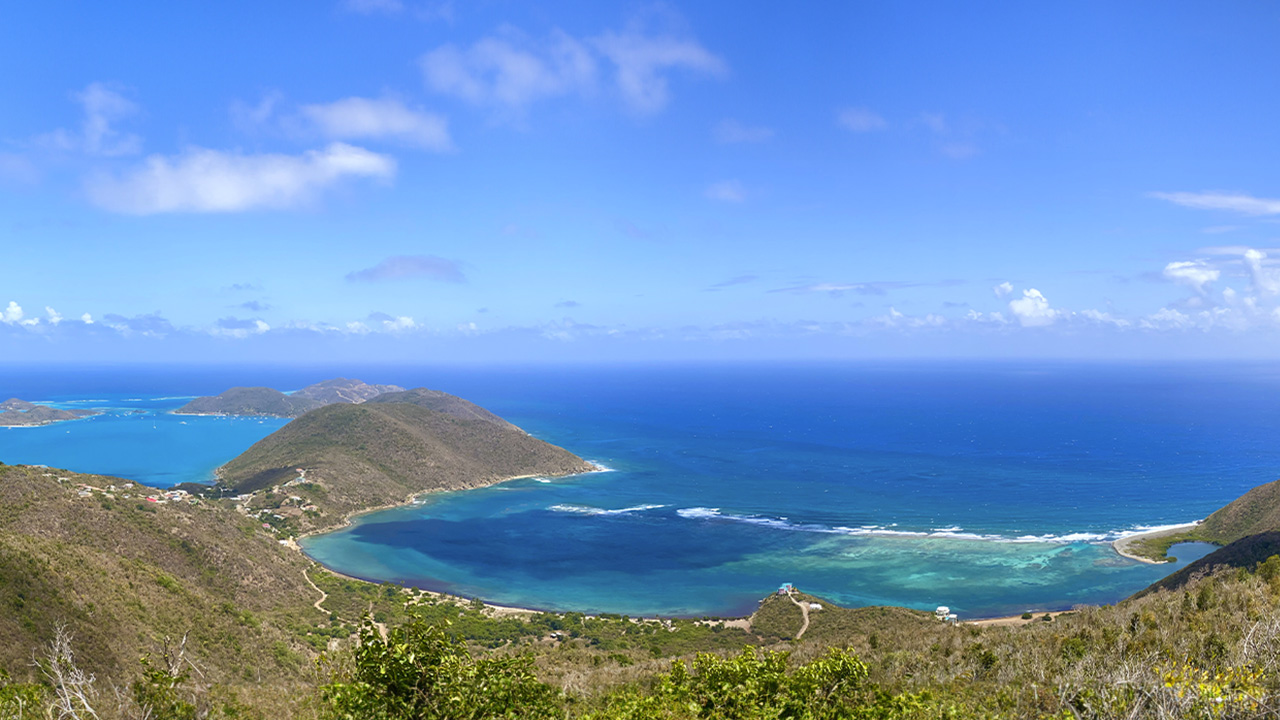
x=418, y=673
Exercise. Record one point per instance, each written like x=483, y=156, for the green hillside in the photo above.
x=1254, y=513
x=123, y=573
x=356, y=457
x=442, y=402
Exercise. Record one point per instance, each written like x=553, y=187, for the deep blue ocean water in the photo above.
x=991, y=488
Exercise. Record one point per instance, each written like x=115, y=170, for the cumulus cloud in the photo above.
x=87, y=319
x=11, y=315
x=509, y=70
x=1032, y=309
x=364, y=118
x=732, y=132
x=1218, y=200
x=860, y=120
x=202, y=180
x=1002, y=289
x=1266, y=280
x=727, y=191
x=403, y=267
x=1195, y=274
x=54, y=316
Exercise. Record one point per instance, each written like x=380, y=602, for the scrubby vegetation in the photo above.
x=116, y=602
x=379, y=453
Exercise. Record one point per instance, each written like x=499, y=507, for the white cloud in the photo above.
x=1217, y=200
x=861, y=120
x=732, y=131
x=897, y=319
x=202, y=180
x=249, y=118
x=1002, y=289
x=361, y=118
x=727, y=191
x=642, y=60
x=1032, y=309
x=1266, y=280
x=12, y=314
x=54, y=316
x=510, y=71
x=1192, y=273
x=1103, y=318
x=87, y=319
x=103, y=106
x=399, y=324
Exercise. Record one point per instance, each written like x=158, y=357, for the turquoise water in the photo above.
x=138, y=438
x=989, y=488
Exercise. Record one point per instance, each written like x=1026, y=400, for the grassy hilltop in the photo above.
x=380, y=453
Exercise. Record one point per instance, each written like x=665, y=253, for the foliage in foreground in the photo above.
x=418, y=673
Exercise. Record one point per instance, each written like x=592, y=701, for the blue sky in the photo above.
x=434, y=181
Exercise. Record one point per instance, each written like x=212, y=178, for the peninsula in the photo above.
x=20, y=413
x=347, y=458
x=266, y=401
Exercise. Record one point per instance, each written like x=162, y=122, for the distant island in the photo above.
x=259, y=401
x=347, y=458
x=20, y=413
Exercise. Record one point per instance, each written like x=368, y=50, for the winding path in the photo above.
x=323, y=595
x=804, y=610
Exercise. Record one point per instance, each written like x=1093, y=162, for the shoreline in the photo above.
x=1122, y=545
x=348, y=520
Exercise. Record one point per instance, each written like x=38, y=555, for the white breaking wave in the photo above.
x=588, y=510
x=952, y=532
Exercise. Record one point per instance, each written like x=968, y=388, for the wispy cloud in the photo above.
x=202, y=180
x=103, y=107
x=509, y=70
x=568, y=304
x=1195, y=274
x=1218, y=200
x=860, y=120
x=405, y=267
x=738, y=280
x=727, y=191
x=357, y=118
x=642, y=61
x=732, y=132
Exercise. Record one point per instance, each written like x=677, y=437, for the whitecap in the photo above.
x=588, y=510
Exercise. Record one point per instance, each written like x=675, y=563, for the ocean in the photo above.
x=992, y=488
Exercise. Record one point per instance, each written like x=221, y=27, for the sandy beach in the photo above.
x=1123, y=545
